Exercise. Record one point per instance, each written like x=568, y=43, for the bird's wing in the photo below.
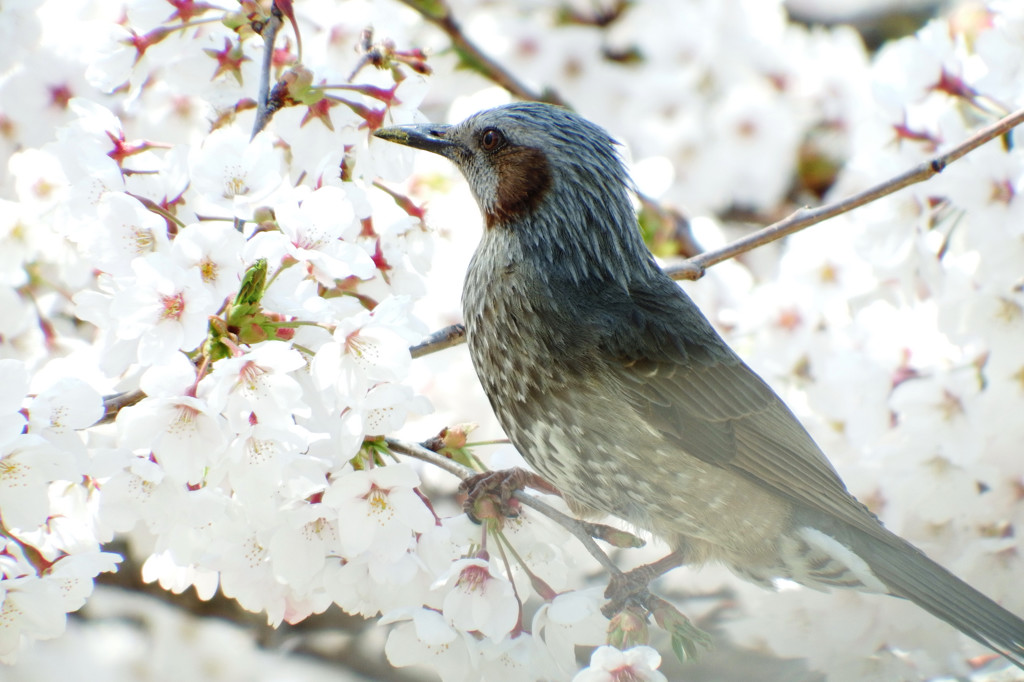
x=677, y=373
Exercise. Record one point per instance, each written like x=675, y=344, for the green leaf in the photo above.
x=253, y=283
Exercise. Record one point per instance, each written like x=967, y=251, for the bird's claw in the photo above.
x=489, y=495
x=625, y=590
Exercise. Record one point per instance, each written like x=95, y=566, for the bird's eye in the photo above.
x=491, y=139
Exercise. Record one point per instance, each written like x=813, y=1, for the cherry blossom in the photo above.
x=570, y=620
x=124, y=231
x=28, y=464
x=368, y=348
x=260, y=461
x=258, y=384
x=301, y=543
x=319, y=232
x=608, y=664
x=64, y=407
x=423, y=637
x=477, y=599
x=36, y=607
x=31, y=609
x=213, y=250
x=232, y=174
x=166, y=309
x=185, y=436
x=379, y=581
x=246, y=574
x=378, y=508
x=131, y=491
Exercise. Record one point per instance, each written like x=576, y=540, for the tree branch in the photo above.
x=263, y=109
x=417, y=451
x=439, y=14
x=805, y=217
x=439, y=340
x=114, y=403
x=583, y=531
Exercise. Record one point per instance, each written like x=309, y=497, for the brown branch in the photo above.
x=114, y=403
x=581, y=530
x=263, y=109
x=693, y=268
x=439, y=340
x=421, y=453
x=439, y=14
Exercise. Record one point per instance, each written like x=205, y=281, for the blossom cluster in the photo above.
x=242, y=282
x=252, y=291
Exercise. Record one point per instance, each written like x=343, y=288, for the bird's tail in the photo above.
x=908, y=573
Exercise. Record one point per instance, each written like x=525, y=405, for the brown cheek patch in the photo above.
x=523, y=178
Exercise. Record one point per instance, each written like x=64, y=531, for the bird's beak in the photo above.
x=431, y=137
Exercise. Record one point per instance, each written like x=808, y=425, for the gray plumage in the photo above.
x=615, y=388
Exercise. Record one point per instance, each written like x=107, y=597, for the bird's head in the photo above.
x=543, y=172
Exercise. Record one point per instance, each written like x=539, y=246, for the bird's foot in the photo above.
x=626, y=589
x=489, y=495
x=631, y=605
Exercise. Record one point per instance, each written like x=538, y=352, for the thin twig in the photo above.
x=577, y=528
x=430, y=457
x=805, y=217
x=439, y=340
x=112, y=405
x=269, y=34
x=439, y=14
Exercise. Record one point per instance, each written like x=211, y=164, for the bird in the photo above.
x=618, y=391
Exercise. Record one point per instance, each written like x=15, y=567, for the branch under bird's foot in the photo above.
x=489, y=494
x=629, y=588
